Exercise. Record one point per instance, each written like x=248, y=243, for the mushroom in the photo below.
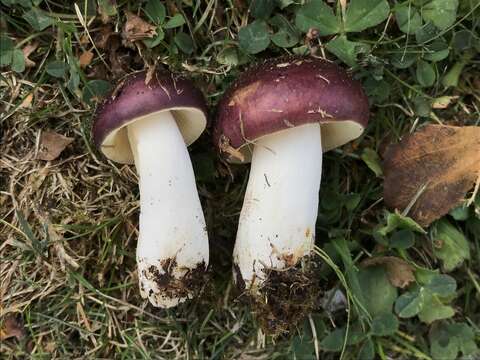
x=281, y=116
x=151, y=123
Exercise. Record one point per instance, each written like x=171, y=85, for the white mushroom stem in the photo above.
x=172, y=237
x=277, y=222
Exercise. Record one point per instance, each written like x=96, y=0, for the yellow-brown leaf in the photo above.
x=52, y=145
x=85, y=59
x=438, y=164
x=137, y=29
x=399, y=272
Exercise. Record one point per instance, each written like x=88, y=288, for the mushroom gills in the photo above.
x=277, y=222
x=172, y=245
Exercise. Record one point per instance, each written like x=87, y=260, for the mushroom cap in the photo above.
x=285, y=92
x=133, y=100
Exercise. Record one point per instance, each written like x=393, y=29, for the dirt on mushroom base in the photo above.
x=185, y=287
x=286, y=297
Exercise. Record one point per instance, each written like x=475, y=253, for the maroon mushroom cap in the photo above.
x=286, y=92
x=133, y=100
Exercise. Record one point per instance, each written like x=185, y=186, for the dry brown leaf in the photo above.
x=399, y=272
x=27, y=50
x=12, y=327
x=51, y=145
x=84, y=40
x=27, y=102
x=435, y=166
x=85, y=59
x=137, y=29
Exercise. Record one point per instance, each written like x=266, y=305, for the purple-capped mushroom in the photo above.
x=282, y=115
x=150, y=125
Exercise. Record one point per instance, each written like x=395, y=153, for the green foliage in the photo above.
x=38, y=19
x=11, y=56
x=441, y=13
x=344, y=49
x=449, y=244
x=254, y=37
x=429, y=301
x=318, y=15
x=286, y=35
x=447, y=340
x=157, y=14
x=155, y=11
x=371, y=158
x=385, y=324
x=398, y=221
x=95, y=89
x=364, y=14
x=378, y=293
x=402, y=239
x=408, y=18
x=57, y=68
x=425, y=73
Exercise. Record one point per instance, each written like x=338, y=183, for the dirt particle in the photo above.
x=308, y=232
x=170, y=286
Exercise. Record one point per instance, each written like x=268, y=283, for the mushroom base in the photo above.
x=169, y=285
x=286, y=297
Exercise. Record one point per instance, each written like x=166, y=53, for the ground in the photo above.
x=69, y=216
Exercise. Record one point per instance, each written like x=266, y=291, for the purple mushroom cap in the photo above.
x=286, y=92
x=133, y=99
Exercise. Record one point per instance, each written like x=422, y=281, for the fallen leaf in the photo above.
x=27, y=50
x=12, y=327
x=137, y=29
x=50, y=346
x=85, y=59
x=434, y=168
x=52, y=145
x=399, y=272
x=27, y=102
x=84, y=40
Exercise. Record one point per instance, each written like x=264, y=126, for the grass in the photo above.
x=68, y=227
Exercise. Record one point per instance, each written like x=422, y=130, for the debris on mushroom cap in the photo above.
x=133, y=98
x=291, y=91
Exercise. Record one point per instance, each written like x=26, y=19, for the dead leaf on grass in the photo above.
x=399, y=272
x=434, y=167
x=85, y=59
x=27, y=50
x=12, y=327
x=51, y=145
x=27, y=101
x=137, y=29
